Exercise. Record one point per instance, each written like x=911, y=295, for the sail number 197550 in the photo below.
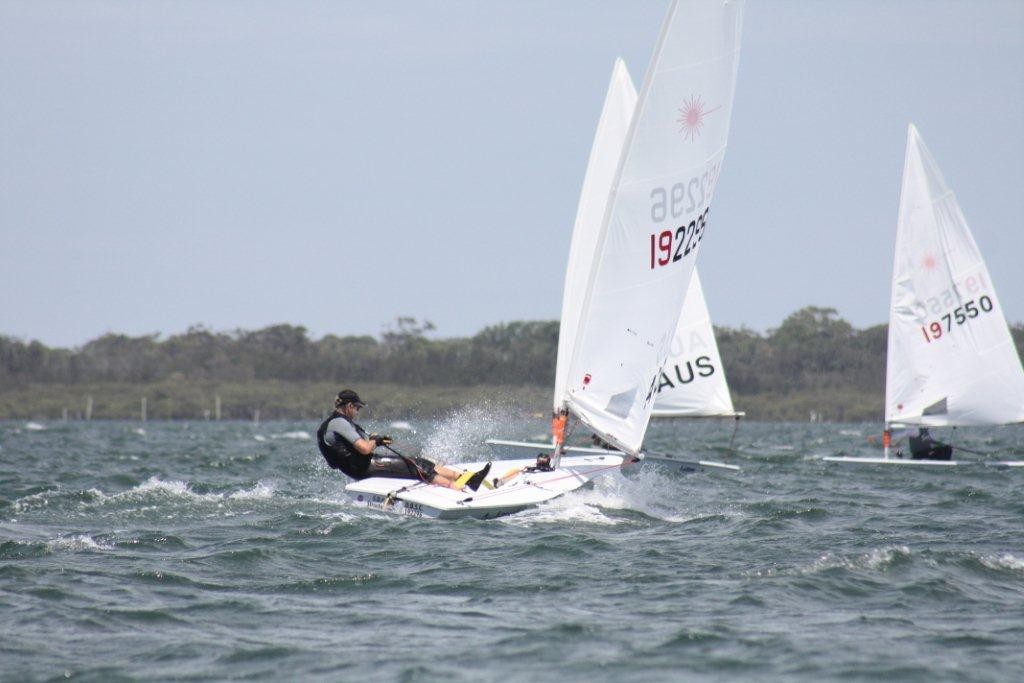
x=670, y=246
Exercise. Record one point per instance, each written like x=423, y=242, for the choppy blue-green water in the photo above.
x=211, y=551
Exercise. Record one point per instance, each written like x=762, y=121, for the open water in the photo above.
x=212, y=551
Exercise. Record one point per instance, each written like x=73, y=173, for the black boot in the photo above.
x=478, y=478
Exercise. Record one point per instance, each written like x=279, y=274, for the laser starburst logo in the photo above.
x=691, y=117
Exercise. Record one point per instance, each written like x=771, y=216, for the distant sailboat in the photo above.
x=951, y=360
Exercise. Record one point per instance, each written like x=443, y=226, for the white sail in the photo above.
x=605, y=152
x=692, y=383
x=658, y=214
x=951, y=359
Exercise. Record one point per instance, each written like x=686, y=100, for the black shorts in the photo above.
x=394, y=467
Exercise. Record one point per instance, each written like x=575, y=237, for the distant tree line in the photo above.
x=814, y=358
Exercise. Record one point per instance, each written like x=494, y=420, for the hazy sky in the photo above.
x=339, y=164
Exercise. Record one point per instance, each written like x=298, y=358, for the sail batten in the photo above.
x=951, y=359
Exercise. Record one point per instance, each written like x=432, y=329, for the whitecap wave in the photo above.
x=40, y=500
x=336, y=520
x=34, y=426
x=1004, y=561
x=35, y=501
x=260, y=491
x=154, y=483
x=646, y=492
x=297, y=435
x=876, y=559
x=76, y=543
x=570, y=508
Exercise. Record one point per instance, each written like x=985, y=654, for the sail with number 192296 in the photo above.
x=657, y=216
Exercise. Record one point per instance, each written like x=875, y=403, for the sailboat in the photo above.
x=951, y=360
x=644, y=211
x=693, y=353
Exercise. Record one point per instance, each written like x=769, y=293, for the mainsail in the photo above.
x=951, y=359
x=657, y=215
x=692, y=383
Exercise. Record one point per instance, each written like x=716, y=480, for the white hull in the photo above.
x=526, y=490
x=896, y=461
x=673, y=461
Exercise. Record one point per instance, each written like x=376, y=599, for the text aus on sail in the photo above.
x=695, y=361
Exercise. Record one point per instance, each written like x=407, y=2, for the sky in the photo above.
x=336, y=165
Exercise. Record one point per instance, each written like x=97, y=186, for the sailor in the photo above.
x=347, y=447
x=924, y=447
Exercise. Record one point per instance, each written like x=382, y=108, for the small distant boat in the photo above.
x=951, y=360
x=642, y=215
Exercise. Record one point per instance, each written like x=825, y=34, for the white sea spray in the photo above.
x=260, y=491
x=77, y=543
x=1003, y=561
x=457, y=438
x=298, y=435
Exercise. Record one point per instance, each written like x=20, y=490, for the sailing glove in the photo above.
x=381, y=440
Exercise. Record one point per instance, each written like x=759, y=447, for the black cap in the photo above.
x=348, y=396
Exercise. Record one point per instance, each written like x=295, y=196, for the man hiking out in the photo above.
x=924, y=447
x=347, y=447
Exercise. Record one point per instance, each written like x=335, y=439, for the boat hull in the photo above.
x=895, y=461
x=524, y=490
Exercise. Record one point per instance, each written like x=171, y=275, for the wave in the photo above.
x=77, y=543
x=147, y=491
x=297, y=435
x=570, y=508
x=1006, y=561
x=259, y=491
x=43, y=499
x=646, y=494
x=874, y=560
